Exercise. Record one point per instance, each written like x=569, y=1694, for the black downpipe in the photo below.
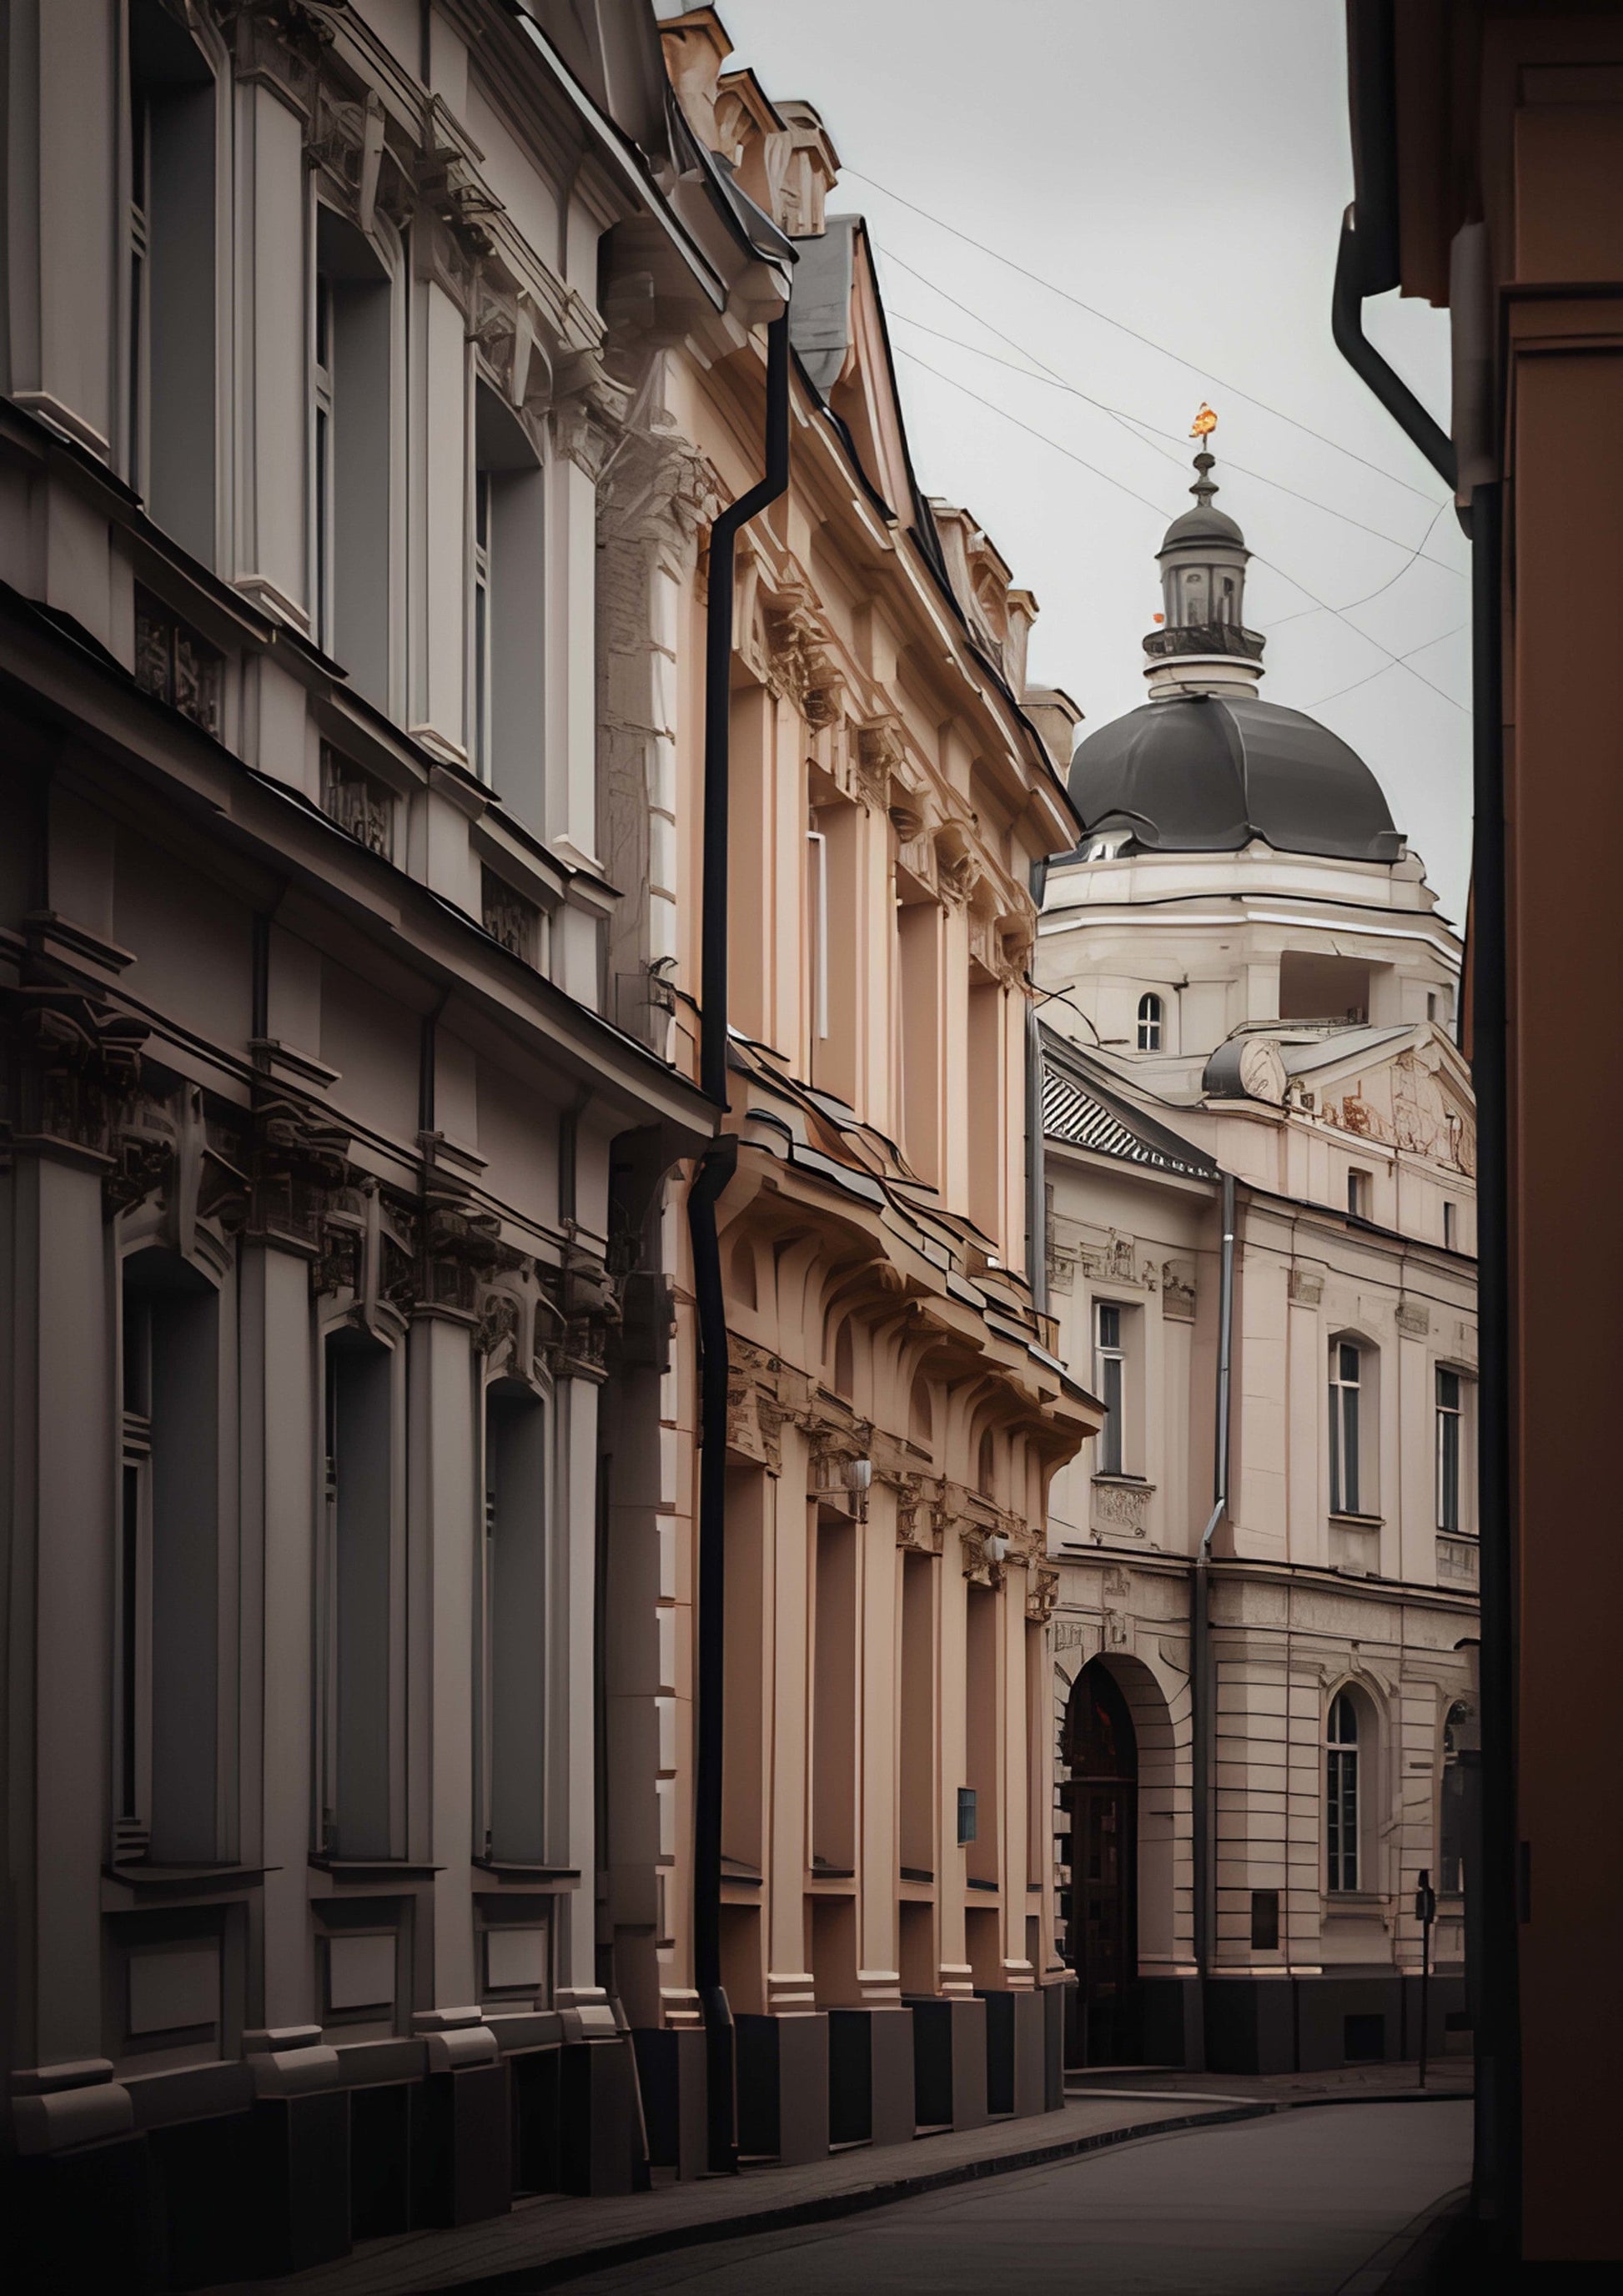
x=715, y=1168
x=1202, y=1681
x=1497, y=2184
x=1496, y=2175
x=1347, y=325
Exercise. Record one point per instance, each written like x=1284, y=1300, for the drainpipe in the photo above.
x=1202, y=1680
x=1347, y=325
x=715, y=1168
x=1036, y=1189
x=1497, y=2182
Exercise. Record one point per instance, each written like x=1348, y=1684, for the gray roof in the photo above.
x=1202, y=525
x=1201, y=774
x=1078, y=1108
x=820, y=302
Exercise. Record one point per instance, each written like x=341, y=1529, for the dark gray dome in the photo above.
x=1201, y=774
x=1203, y=525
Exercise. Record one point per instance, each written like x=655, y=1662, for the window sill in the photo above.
x=1357, y=1521
x=1124, y=1481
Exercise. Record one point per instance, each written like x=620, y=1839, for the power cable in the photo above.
x=1122, y=487
x=1193, y=367
x=1059, y=382
x=1398, y=661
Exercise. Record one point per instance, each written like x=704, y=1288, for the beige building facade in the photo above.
x=1264, y=1638
x=894, y=1412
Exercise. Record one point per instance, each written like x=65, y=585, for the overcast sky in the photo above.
x=1182, y=168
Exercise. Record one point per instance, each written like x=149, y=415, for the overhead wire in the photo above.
x=1059, y=382
x=1109, y=320
x=1121, y=485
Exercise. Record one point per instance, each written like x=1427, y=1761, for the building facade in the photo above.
x=377, y=380
x=328, y=1151
x=1265, y=1637
x=894, y=1411
x=1487, y=145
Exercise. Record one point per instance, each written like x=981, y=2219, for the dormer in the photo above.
x=696, y=46
x=1001, y=615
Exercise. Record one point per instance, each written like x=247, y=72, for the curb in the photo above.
x=524, y=2280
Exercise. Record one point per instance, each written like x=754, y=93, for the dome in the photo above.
x=1206, y=774
x=1203, y=525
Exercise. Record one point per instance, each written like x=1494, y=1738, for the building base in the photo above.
x=671, y=2069
x=869, y=2076
x=1318, y=2024
x=949, y=2062
x=782, y=2088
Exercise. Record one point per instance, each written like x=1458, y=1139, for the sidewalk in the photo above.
x=550, y=2240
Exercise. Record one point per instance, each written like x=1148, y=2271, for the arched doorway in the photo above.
x=1101, y=1751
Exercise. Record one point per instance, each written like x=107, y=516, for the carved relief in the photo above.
x=1306, y=1286
x=1041, y=1592
x=1123, y=1507
x=1178, y=1289
x=70, y=1063
x=1414, y=1317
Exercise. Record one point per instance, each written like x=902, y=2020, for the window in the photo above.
x=171, y=376
x=1462, y=1741
x=513, y=1720
x=1341, y=1813
x=1360, y=1191
x=1109, y=1380
x=506, y=619
x=354, y=1729
x=166, y=1647
x=1448, y=1225
x=351, y=453
x=1150, y=1011
x=1346, y=1386
x=1450, y=1417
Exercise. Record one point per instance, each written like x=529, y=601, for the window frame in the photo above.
x=1349, y=1429
x=1110, y=1372
x=1344, y=1795
x=1152, y=1021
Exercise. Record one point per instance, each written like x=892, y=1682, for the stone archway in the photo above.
x=1117, y=1755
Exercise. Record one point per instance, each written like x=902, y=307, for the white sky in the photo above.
x=1182, y=168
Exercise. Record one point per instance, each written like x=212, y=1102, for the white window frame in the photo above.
x=1345, y=1743
x=1346, y=1429
x=1360, y=1191
x=1152, y=1021
x=1452, y=1420
x=1111, y=1384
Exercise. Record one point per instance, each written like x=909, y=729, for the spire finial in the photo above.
x=1205, y=486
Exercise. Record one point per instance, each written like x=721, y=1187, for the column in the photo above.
x=572, y=1825
x=441, y=1487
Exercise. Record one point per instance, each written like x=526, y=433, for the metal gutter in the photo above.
x=1202, y=1683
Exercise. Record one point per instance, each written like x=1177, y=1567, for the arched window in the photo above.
x=986, y=1468
x=1341, y=1810
x=1150, y=1014
x=1346, y=1433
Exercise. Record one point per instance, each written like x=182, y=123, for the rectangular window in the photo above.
x=1359, y=1193
x=512, y=1722
x=166, y=1646
x=1110, y=1381
x=1450, y=1414
x=1341, y=1814
x=1448, y=1225
x=172, y=377
x=352, y=454
x=1345, y=1367
x=354, y=1725
x=507, y=616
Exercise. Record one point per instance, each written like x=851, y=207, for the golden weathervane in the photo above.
x=1205, y=422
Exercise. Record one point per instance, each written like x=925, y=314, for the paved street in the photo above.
x=1306, y=2203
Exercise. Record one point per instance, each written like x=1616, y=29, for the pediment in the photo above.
x=1416, y=1100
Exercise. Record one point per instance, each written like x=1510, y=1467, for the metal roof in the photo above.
x=1088, y=1117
